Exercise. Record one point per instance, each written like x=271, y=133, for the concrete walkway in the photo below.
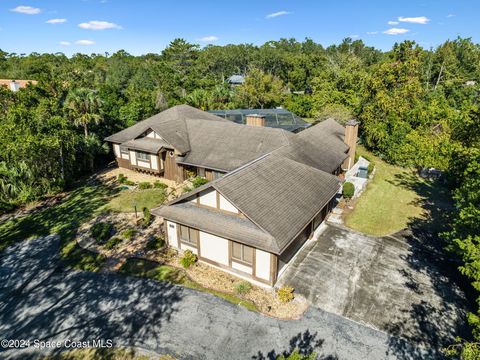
x=41, y=300
x=390, y=283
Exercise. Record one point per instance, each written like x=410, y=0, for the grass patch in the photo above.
x=63, y=219
x=124, y=201
x=392, y=200
x=153, y=270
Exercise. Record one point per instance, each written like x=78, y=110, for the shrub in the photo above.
x=145, y=185
x=188, y=259
x=285, y=294
x=129, y=183
x=159, y=185
x=348, y=190
x=101, y=231
x=147, y=216
x=243, y=287
x=155, y=243
x=186, y=189
x=121, y=178
x=371, y=166
x=112, y=243
x=199, y=181
x=129, y=233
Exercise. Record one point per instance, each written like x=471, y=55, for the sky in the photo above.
x=146, y=26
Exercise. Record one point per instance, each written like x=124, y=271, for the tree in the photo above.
x=85, y=108
x=260, y=90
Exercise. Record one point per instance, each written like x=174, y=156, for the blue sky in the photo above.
x=142, y=26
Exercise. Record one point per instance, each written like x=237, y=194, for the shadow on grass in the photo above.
x=63, y=219
x=433, y=325
x=302, y=346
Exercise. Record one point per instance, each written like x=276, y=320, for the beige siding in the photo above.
x=116, y=150
x=144, y=164
x=133, y=158
x=214, y=248
x=241, y=267
x=209, y=198
x=262, y=264
x=227, y=205
x=172, y=234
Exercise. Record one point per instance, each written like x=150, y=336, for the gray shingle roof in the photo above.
x=276, y=193
x=146, y=144
x=280, y=195
x=232, y=227
x=328, y=134
x=227, y=146
x=169, y=124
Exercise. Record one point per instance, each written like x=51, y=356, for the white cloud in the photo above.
x=210, y=38
x=99, y=25
x=354, y=36
x=278, y=13
x=85, y=42
x=372, y=32
x=64, y=43
x=392, y=23
x=450, y=15
x=415, y=20
x=396, y=31
x=29, y=10
x=56, y=21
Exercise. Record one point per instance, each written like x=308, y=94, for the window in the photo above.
x=188, y=235
x=143, y=156
x=242, y=253
x=123, y=150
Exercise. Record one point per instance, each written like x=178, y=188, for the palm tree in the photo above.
x=85, y=107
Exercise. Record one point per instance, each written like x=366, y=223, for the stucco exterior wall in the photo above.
x=262, y=264
x=214, y=248
x=227, y=205
x=116, y=150
x=243, y=268
x=154, y=162
x=172, y=234
x=144, y=164
x=133, y=158
x=208, y=198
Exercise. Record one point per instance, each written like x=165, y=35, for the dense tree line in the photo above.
x=418, y=108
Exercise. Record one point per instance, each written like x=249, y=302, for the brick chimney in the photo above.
x=351, y=135
x=255, y=120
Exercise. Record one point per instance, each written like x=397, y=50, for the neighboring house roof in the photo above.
x=276, y=118
x=147, y=144
x=236, y=79
x=278, y=194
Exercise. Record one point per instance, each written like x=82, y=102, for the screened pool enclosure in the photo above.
x=275, y=118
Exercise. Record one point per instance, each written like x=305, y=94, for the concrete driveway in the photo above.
x=394, y=283
x=41, y=300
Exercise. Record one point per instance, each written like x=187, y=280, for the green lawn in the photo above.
x=393, y=200
x=152, y=270
x=124, y=201
x=64, y=219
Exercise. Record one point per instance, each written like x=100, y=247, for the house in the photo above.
x=276, y=118
x=269, y=189
x=15, y=85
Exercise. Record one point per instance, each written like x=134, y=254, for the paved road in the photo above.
x=40, y=300
x=391, y=283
